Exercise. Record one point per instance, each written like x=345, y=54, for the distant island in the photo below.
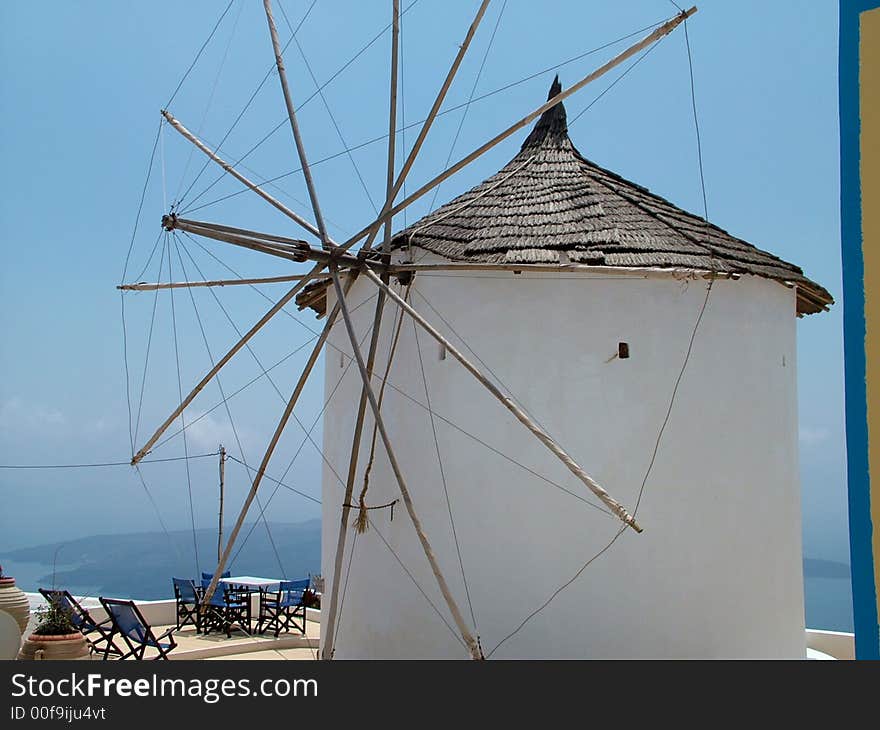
x=141, y=565
x=816, y=568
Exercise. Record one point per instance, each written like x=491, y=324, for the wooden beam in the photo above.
x=258, y=478
x=294, y=125
x=330, y=624
x=288, y=248
x=221, y=362
x=508, y=403
x=640, y=271
x=392, y=125
x=373, y=229
x=238, y=176
x=467, y=637
x=142, y=286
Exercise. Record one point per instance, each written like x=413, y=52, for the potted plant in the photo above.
x=14, y=601
x=55, y=637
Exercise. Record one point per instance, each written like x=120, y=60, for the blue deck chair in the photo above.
x=188, y=600
x=209, y=576
x=138, y=635
x=99, y=634
x=279, y=610
x=228, y=607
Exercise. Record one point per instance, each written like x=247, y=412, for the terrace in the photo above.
x=215, y=645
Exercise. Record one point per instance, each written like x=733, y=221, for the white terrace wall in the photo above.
x=717, y=571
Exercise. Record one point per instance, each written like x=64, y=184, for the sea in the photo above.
x=827, y=600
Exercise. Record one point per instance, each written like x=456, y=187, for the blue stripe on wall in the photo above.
x=864, y=590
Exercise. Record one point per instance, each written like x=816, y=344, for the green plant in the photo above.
x=53, y=619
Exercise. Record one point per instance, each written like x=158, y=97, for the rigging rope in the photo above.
x=225, y=400
x=263, y=369
x=405, y=126
x=149, y=342
x=137, y=220
x=705, y=303
x=192, y=514
x=195, y=60
x=420, y=589
x=286, y=120
x=344, y=590
x=468, y=103
x=467, y=591
x=192, y=149
x=686, y=357
x=330, y=113
x=360, y=522
x=244, y=109
x=279, y=482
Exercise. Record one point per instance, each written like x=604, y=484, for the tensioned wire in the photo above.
x=307, y=100
x=246, y=106
x=262, y=368
x=279, y=482
x=137, y=220
x=192, y=514
x=680, y=374
x=320, y=91
x=226, y=403
x=192, y=208
x=222, y=394
x=467, y=106
x=443, y=476
x=149, y=342
x=208, y=105
x=570, y=123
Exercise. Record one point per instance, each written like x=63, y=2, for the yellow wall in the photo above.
x=869, y=77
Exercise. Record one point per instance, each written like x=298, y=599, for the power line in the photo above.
x=108, y=463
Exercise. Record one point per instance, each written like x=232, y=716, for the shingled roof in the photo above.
x=551, y=205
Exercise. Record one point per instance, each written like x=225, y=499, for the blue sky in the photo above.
x=83, y=85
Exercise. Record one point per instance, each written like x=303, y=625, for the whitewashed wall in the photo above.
x=717, y=571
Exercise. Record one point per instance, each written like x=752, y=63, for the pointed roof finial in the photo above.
x=552, y=127
x=555, y=88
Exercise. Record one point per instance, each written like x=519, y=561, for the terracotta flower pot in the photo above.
x=14, y=601
x=63, y=646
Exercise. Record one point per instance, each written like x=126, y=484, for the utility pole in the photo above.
x=220, y=524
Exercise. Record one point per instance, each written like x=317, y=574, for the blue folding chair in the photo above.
x=188, y=601
x=99, y=634
x=138, y=635
x=227, y=608
x=210, y=576
x=279, y=610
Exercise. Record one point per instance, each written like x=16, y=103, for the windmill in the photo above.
x=337, y=271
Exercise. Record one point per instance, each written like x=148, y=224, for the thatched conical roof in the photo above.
x=551, y=205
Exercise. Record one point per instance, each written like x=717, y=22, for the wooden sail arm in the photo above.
x=426, y=126
x=241, y=178
x=297, y=137
x=145, y=449
x=144, y=286
x=289, y=248
x=467, y=638
x=279, y=429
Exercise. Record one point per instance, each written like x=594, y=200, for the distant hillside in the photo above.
x=141, y=565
